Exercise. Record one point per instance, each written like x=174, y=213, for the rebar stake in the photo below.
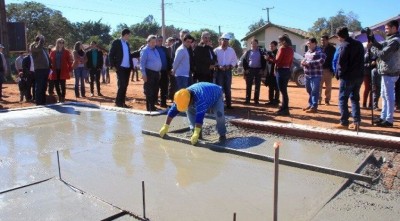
x=59, y=168
x=234, y=216
x=144, y=201
x=276, y=176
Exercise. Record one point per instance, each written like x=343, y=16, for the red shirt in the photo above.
x=284, y=58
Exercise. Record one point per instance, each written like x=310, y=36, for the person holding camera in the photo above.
x=42, y=68
x=388, y=53
x=253, y=64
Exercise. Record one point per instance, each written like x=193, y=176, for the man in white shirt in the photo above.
x=227, y=59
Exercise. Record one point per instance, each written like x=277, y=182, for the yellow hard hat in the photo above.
x=182, y=99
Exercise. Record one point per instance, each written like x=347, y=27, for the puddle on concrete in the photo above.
x=104, y=153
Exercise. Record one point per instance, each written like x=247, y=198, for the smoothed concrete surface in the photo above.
x=104, y=153
x=51, y=200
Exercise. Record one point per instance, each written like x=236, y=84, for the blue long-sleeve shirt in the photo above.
x=149, y=59
x=204, y=96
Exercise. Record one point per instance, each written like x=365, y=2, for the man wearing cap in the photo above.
x=3, y=70
x=196, y=100
x=227, y=59
x=205, y=59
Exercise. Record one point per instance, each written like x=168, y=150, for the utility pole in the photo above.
x=219, y=30
x=163, y=20
x=268, y=12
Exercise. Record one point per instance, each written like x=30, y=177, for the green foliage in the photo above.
x=328, y=26
x=235, y=44
x=90, y=30
x=213, y=35
x=256, y=25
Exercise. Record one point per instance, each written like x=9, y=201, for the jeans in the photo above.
x=282, y=78
x=253, y=75
x=181, y=82
x=122, y=83
x=376, y=87
x=224, y=79
x=312, y=87
x=80, y=74
x=388, y=100
x=217, y=109
x=397, y=93
x=273, y=91
x=349, y=88
x=41, y=76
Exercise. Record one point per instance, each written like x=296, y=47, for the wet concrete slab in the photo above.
x=51, y=200
x=104, y=153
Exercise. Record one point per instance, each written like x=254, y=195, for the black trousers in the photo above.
x=273, y=91
x=164, y=81
x=60, y=86
x=151, y=88
x=122, y=84
x=253, y=75
x=94, y=77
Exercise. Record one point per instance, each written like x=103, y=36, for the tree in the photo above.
x=213, y=35
x=147, y=27
x=328, y=26
x=41, y=20
x=235, y=44
x=256, y=25
x=90, y=30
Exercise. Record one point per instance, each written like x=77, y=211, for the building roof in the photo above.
x=294, y=31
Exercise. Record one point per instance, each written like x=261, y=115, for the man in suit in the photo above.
x=120, y=59
x=94, y=64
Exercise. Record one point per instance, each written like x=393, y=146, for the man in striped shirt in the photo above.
x=196, y=100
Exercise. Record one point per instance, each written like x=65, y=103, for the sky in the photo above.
x=230, y=15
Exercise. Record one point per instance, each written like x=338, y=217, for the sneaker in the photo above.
x=307, y=108
x=312, y=110
x=247, y=102
x=91, y=94
x=100, y=95
x=384, y=124
x=354, y=126
x=327, y=103
x=341, y=126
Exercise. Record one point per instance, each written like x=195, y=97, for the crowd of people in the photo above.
x=181, y=63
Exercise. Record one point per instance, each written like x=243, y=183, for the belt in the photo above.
x=282, y=67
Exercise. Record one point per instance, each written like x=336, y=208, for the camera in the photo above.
x=270, y=54
x=369, y=33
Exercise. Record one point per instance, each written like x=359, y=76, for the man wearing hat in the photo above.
x=3, y=69
x=196, y=100
x=227, y=59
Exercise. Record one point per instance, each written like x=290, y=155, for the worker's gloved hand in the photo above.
x=164, y=130
x=195, y=136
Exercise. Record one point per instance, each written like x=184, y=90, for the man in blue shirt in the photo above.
x=196, y=100
x=150, y=66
